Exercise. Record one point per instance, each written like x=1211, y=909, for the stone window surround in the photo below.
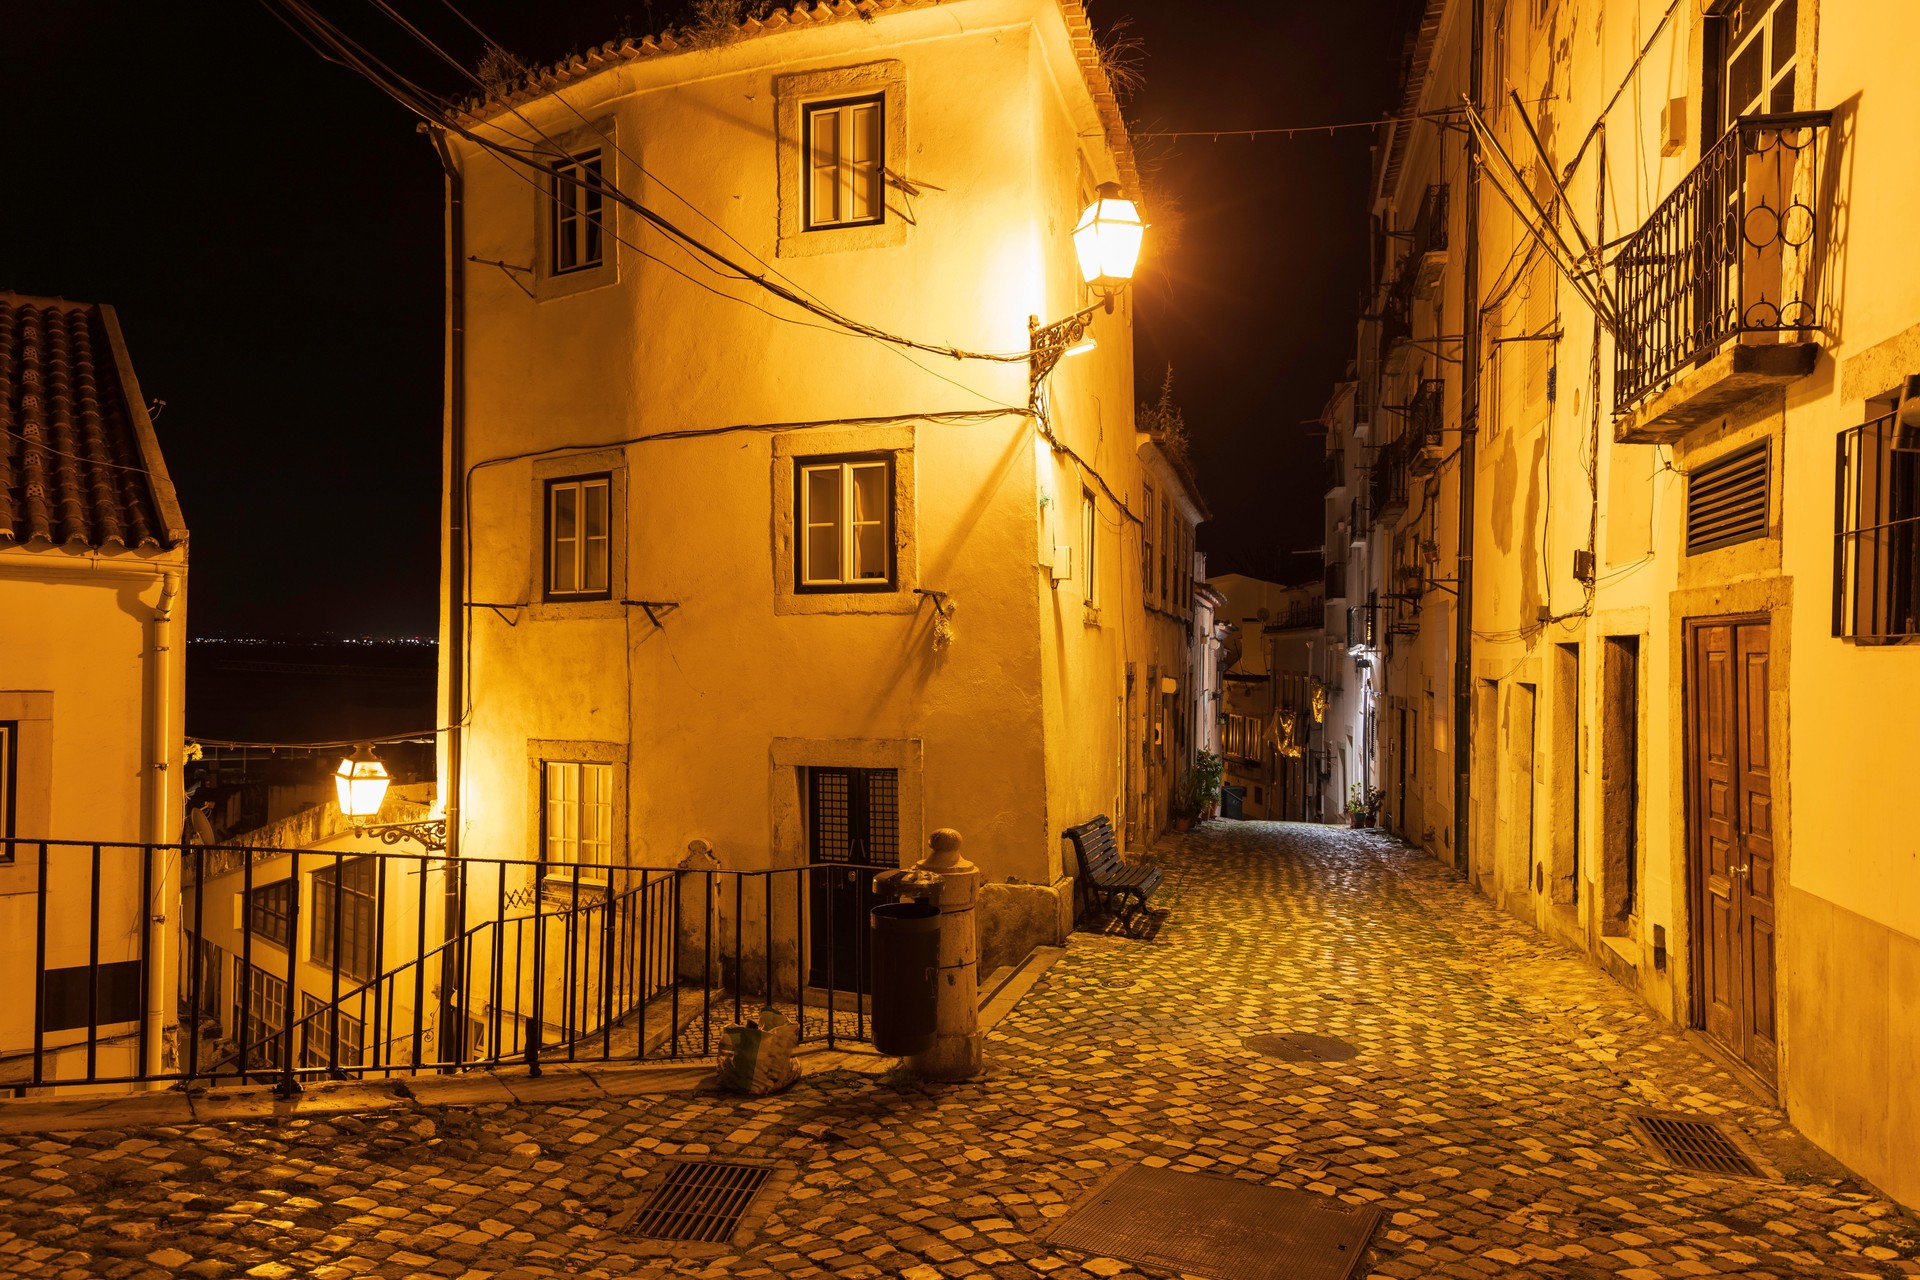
x=31, y=783
x=790, y=446
x=612, y=463
x=887, y=78
x=582, y=751
x=788, y=756
x=547, y=285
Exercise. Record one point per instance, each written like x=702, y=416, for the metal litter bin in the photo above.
x=1230, y=801
x=906, y=958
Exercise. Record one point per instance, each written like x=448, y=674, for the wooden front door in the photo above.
x=853, y=828
x=1730, y=837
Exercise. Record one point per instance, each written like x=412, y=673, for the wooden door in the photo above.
x=853, y=821
x=1730, y=837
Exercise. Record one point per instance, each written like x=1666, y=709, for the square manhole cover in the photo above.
x=698, y=1202
x=1695, y=1143
x=1221, y=1227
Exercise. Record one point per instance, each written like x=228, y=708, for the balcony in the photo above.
x=1715, y=291
x=1427, y=258
x=1387, y=488
x=1335, y=478
x=1336, y=580
x=1425, y=422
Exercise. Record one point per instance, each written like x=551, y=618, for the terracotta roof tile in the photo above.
x=78, y=467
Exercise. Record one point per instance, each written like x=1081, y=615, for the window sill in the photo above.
x=789, y=601
x=574, y=610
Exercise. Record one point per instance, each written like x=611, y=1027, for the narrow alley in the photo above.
x=1485, y=1110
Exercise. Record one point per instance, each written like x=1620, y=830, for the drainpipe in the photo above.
x=163, y=901
x=1469, y=435
x=454, y=585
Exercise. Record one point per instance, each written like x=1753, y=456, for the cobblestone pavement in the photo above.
x=1484, y=1113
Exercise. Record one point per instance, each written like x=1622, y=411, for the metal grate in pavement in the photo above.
x=1224, y=1228
x=701, y=1201
x=1693, y=1142
x=1291, y=1047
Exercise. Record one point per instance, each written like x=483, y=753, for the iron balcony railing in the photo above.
x=1731, y=252
x=297, y=964
x=1426, y=418
x=1298, y=617
x=1335, y=474
x=1429, y=227
x=1387, y=487
x=1336, y=580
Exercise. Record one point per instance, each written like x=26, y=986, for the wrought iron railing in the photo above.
x=1429, y=226
x=1335, y=474
x=1876, y=532
x=1335, y=580
x=413, y=964
x=1426, y=418
x=1387, y=486
x=1730, y=252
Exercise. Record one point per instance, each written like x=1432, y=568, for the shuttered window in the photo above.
x=844, y=163
x=1727, y=500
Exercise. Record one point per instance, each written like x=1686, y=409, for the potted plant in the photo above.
x=1363, y=805
x=1201, y=785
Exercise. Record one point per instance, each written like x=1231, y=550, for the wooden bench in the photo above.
x=1106, y=876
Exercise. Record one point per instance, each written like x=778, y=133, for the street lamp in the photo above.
x=361, y=784
x=1107, y=242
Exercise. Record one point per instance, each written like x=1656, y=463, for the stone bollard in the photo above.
x=955, y=1052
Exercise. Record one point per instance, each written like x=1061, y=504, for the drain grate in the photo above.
x=1690, y=1142
x=1290, y=1047
x=1224, y=1228
x=1306, y=1163
x=700, y=1201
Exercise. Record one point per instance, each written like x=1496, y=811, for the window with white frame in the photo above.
x=846, y=162
x=577, y=233
x=843, y=507
x=579, y=537
x=343, y=907
x=1752, y=72
x=578, y=819
x=265, y=1014
x=1089, y=541
x=316, y=1034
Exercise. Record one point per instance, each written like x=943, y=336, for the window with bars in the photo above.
x=1876, y=553
x=317, y=1022
x=577, y=233
x=1727, y=499
x=349, y=892
x=854, y=815
x=578, y=817
x=844, y=509
x=579, y=537
x=846, y=162
x=270, y=913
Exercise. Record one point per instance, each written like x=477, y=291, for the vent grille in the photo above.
x=1727, y=500
x=1687, y=1142
x=699, y=1200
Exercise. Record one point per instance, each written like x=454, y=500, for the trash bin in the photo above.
x=906, y=956
x=1230, y=800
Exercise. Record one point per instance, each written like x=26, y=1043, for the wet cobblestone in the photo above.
x=1485, y=1112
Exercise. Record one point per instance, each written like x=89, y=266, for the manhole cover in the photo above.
x=701, y=1201
x=1289, y=1047
x=1692, y=1142
x=1219, y=1227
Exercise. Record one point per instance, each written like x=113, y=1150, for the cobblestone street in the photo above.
x=1485, y=1113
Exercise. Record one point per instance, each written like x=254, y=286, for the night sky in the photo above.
x=269, y=228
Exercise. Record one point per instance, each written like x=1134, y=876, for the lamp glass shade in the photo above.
x=361, y=784
x=1107, y=239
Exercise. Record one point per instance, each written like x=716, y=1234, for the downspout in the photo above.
x=163, y=902
x=1469, y=434
x=453, y=586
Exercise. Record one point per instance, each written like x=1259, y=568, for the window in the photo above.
x=1752, y=70
x=579, y=538
x=844, y=510
x=845, y=162
x=1243, y=739
x=316, y=1034
x=265, y=1018
x=1876, y=561
x=578, y=818
x=9, y=736
x=1146, y=545
x=1166, y=536
x=1089, y=534
x=578, y=237
x=349, y=891
x=270, y=913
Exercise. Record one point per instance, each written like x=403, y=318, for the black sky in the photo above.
x=269, y=228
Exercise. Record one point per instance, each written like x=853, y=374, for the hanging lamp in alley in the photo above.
x=1107, y=239
x=361, y=784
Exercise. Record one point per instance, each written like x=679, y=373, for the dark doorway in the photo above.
x=1730, y=850
x=853, y=828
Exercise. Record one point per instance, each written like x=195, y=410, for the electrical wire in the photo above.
x=42, y=445
x=418, y=735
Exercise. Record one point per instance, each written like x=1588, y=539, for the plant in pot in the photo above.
x=1205, y=778
x=1363, y=805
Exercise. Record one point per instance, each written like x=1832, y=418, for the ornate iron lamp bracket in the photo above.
x=431, y=834
x=1046, y=343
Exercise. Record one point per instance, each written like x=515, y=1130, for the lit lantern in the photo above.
x=1108, y=239
x=361, y=782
